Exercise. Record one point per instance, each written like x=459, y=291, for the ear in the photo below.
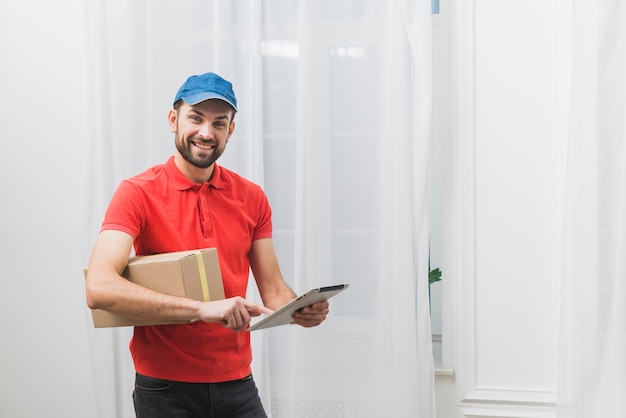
x=172, y=117
x=231, y=130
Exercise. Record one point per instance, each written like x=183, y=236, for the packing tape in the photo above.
x=203, y=280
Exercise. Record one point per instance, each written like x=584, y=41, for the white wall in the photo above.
x=44, y=356
x=501, y=207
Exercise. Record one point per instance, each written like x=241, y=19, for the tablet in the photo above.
x=282, y=316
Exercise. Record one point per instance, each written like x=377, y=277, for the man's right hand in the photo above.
x=234, y=313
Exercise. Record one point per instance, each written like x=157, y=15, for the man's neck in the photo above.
x=193, y=173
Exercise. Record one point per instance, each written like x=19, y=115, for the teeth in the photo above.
x=204, y=147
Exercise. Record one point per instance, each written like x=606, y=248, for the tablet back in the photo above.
x=282, y=316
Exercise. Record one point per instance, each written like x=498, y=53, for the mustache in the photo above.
x=203, y=141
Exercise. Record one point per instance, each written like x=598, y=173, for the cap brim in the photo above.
x=200, y=97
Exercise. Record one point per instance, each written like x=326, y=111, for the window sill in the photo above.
x=439, y=369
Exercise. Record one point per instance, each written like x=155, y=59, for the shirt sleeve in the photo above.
x=264, y=225
x=126, y=211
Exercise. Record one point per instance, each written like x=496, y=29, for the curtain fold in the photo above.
x=334, y=122
x=592, y=369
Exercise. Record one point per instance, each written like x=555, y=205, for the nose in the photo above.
x=205, y=131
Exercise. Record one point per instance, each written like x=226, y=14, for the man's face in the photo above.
x=202, y=131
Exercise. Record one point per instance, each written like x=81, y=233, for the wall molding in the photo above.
x=505, y=411
x=459, y=253
x=517, y=396
x=462, y=235
x=506, y=403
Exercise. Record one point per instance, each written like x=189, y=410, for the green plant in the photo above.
x=434, y=275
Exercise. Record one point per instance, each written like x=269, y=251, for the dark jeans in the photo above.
x=157, y=398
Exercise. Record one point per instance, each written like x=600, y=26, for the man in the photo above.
x=189, y=202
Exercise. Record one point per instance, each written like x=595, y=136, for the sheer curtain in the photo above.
x=334, y=123
x=592, y=369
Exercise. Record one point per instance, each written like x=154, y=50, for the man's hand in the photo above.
x=311, y=316
x=273, y=289
x=234, y=313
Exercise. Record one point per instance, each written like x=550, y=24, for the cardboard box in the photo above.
x=194, y=274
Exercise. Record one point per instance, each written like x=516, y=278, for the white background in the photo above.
x=502, y=161
x=45, y=368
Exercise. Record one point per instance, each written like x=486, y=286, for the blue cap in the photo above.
x=199, y=88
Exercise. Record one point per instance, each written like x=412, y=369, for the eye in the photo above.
x=194, y=118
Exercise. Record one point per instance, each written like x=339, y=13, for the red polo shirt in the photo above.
x=165, y=211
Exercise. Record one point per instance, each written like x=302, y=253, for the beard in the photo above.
x=195, y=156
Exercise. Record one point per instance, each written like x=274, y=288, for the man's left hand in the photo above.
x=311, y=316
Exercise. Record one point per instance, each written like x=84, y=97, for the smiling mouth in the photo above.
x=203, y=147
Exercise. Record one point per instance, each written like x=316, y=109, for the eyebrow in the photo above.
x=202, y=114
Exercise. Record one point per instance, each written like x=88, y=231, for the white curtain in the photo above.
x=592, y=368
x=334, y=123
